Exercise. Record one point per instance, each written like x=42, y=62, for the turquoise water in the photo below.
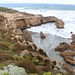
x=39, y=6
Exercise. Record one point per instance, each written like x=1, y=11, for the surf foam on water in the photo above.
x=68, y=16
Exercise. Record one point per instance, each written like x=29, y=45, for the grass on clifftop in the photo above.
x=3, y=9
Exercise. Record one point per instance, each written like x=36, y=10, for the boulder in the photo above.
x=59, y=23
x=62, y=46
x=42, y=35
x=68, y=68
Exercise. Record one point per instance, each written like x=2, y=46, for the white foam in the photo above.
x=68, y=16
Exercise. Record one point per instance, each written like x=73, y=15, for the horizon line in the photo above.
x=40, y=3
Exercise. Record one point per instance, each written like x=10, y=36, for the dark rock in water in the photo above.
x=62, y=46
x=59, y=23
x=42, y=35
x=68, y=68
x=71, y=32
x=65, y=45
x=73, y=37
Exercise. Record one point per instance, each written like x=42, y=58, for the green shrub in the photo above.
x=26, y=56
x=4, y=46
x=3, y=9
x=18, y=58
x=58, y=74
x=6, y=74
x=47, y=73
x=50, y=73
x=8, y=43
x=1, y=67
x=40, y=63
x=50, y=63
x=34, y=59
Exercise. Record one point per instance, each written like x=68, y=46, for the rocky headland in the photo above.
x=19, y=53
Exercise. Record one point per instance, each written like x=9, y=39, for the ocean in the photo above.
x=64, y=12
x=53, y=35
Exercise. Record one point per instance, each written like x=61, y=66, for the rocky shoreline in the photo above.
x=68, y=52
x=16, y=44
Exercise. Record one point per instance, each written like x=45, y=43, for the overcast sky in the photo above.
x=39, y=1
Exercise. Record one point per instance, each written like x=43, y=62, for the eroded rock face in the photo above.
x=42, y=35
x=68, y=56
x=59, y=23
x=22, y=23
x=72, y=47
x=26, y=36
x=68, y=68
x=62, y=46
x=38, y=20
x=35, y=21
x=68, y=53
x=3, y=21
x=48, y=19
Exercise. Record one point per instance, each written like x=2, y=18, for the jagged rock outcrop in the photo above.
x=26, y=36
x=22, y=23
x=68, y=56
x=42, y=35
x=24, y=20
x=49, y=19
x=62, y=46
x=36, y=20
x=68, y=68
x=3, y=21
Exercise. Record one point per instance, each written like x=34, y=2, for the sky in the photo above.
x=40, y=1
